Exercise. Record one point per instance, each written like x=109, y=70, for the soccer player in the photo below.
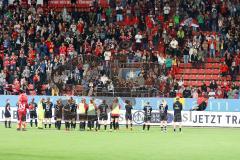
x=115, y=113
x=7, y=115
x=128, y=114
x=22, y=111
x=147, y=116
x=103, y=117
x=58, y=113
x=73, y=108
x=48, y=113
x=163, y=108
x=67, y=114
x=40, y=111
x=82, y=114
x=177, y=108
x=33, y=112
x=92, y=115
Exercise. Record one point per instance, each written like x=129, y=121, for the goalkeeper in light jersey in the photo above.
x=40, y=111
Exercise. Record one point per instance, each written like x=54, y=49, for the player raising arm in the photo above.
x=163, y=108
x=177, y=108
x=147, y=116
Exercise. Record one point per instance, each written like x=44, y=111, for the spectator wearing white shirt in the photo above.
x=138, y=40
x=107, y=57
x=211, y=94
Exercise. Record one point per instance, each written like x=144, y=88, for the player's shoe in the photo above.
x=18, y=129
x=24, y=129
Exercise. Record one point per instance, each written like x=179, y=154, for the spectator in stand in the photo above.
x=166, y=11
x=204, y=87
x=213, y=85
x=168, y=64
x=187, y=93
x=224, y=69
x=185, y=54
x=211, y=94
x=138, y=40
x=194, y=59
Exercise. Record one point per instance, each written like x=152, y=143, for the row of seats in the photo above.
x=198, y=77
x=200, y=71
x=199, y=83
x=206, y=65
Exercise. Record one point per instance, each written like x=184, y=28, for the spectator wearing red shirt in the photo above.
x=224, y=69
x=63, y=50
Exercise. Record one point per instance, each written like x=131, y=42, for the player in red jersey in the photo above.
x=22, y=111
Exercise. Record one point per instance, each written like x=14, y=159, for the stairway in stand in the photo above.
x=196, y=76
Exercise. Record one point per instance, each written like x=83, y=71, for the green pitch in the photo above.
x=192, y=144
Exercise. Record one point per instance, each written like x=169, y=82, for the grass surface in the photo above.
x=50, y=144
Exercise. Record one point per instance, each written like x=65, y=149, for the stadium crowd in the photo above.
x=55, y=53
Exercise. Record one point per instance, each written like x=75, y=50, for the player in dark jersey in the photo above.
x=163, y=108
x=7, y=114
x=177, y=108
x=128, y=114
x=73, y=108
x=92, y=115
x=58, y=113
x=67, y=114
x=147, y=115
x=103, y=115
x=33, y=113
x=48, y=113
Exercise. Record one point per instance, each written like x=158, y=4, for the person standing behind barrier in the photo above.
x=33, y=112
x=103, y=117
x=58, y=113
x=177, y=108
x=115, y=113
x=48, y=112
x=147, y=116
x=40, y=113
x=163, y=108
x=128, y=114
x=82, y=114
x=92, y=115
x=7, y=115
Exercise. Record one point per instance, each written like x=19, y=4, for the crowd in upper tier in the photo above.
x=43, y=51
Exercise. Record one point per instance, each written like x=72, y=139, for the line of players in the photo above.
x=91, y=116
